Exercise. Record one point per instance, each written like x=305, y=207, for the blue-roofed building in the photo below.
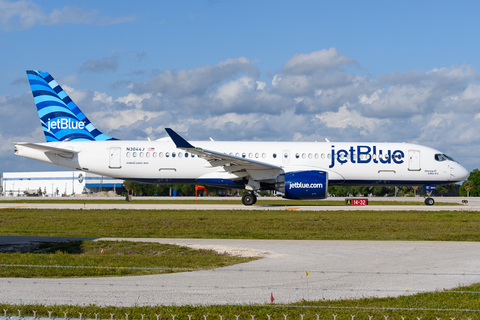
x=56, y=183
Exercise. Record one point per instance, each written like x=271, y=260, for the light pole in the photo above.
x=52, y=190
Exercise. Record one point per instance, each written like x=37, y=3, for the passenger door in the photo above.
x=414, y=160
x=115, y=160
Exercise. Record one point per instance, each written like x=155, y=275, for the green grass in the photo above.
x=261, y=201
x=244, y=224
x=118, y=255
x=432, y=300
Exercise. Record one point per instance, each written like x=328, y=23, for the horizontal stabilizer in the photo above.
x=45, y=148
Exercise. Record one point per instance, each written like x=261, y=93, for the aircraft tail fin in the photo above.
x=61, y=119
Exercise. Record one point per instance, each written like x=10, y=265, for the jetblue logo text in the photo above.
x=300, y=185
x=63, y=124
x=365, y=154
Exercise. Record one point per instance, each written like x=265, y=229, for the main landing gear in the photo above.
x=249, y=199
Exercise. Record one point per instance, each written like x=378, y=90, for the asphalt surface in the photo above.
x=472, y=205
x=336, y=270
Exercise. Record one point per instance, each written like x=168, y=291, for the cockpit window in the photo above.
x=443, y=157
x=449, y=158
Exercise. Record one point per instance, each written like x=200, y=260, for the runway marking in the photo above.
x=291, y=208
x=15, y=207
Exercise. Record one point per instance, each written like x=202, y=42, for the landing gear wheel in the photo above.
x=248, y=199
x=429, y=201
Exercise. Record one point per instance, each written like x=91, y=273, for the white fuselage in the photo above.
x=161, y=162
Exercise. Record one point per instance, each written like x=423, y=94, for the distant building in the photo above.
x=56, y=183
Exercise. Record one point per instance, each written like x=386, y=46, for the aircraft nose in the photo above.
x=461, y=173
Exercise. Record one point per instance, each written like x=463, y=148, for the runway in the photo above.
x=336, y=270
x=472, y=205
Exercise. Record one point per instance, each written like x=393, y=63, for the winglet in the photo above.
x=178, y=140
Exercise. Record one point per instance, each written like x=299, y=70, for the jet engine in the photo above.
x=311, y=184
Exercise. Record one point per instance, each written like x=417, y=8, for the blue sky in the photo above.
x=400, y=71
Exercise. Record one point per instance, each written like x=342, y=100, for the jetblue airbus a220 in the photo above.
x=299, y=170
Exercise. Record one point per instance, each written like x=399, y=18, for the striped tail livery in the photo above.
x=61, y=119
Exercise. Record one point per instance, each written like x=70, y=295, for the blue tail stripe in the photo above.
x=41, y=88
x=62, y=94
x=71, y=133
x=75, y=136
x=39, y=93
x=67, y=100
x=72, y=105
x=95, y=133
x=40, y=99
x=38, y=83
x=48, y=78
x=46, y=104
x=53, y=112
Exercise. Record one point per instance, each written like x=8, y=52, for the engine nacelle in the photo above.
x=312, y=184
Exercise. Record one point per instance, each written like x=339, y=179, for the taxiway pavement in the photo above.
x=336, y=270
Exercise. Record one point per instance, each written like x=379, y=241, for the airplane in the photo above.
x=298, y=170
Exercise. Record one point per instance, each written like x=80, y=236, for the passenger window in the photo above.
x=274, y=155
x=160, y=154
x=167, y=154
x=297, y=155
x=250, y=155
x=186, y=154
x=154, y=154
x=310, y=156
x=134, y=154
x=179, y=154
x=256, y=155
x=128, y=154
x=304, y=156
x=264, y=155
x=244, y=155
x=173, y=154
x=148, y=154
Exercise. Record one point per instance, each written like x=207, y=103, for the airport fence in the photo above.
x=316, y=316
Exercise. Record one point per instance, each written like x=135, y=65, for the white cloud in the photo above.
x=311, y=99
x=261, y=85
x=321, y=60
x=103, y=97
x=347, y=118
x=22, y=15
x=134, y=100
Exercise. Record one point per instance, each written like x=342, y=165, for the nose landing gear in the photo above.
x=429, y=201
x=249, y=199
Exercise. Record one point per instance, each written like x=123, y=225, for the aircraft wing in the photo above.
x=229, y=162
x=49, y=149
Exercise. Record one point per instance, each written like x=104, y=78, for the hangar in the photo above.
x=56, y=183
